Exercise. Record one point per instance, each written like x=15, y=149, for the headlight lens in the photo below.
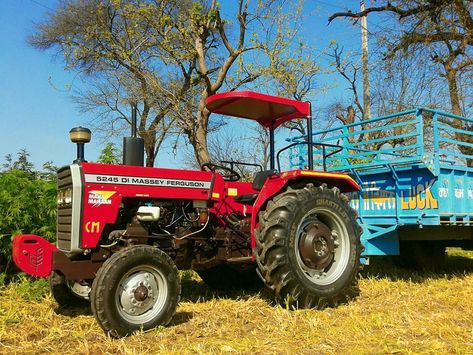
x=68, y=196
x=64, y=197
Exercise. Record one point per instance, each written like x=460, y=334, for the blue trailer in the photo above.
x=416, y=172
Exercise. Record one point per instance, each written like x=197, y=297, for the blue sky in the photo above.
x=36, y=110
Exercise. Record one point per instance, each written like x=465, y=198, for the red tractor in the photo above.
x=124, y=231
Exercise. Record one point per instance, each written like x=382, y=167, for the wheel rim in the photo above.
x=80, y=289
x=322, y=246
x=141, y=294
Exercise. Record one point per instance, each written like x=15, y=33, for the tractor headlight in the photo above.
x=68, y=196
x=60, y=193
x=64, y=197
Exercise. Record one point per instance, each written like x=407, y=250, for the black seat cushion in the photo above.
x=246, y=199
x=258, y=182
x=260, y=178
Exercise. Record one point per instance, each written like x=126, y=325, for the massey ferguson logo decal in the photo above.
x=36, y=259
x=97, y=198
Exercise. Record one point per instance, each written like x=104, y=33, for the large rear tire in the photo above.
x=137, y=288
x=308, y=247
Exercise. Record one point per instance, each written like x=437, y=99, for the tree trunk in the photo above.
x=150, y=142
x=200, y=145
x=201, y=149
x=451, y=76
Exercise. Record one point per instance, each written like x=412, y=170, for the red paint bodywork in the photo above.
x=106, y=213
x=267, y=110
x=223, y=203
x=33, y=254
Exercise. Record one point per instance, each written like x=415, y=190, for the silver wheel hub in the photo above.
x=316, y=246
x=141, y=294
x=80, y=289
x=322, y=246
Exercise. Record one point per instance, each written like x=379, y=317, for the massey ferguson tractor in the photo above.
x=124, y=231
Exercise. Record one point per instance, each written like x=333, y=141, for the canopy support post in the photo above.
x=271, y=147
x=310, y=148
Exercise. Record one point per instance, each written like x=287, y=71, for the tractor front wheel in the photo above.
x=308, y=246
x=65, y=295
x=137, y=288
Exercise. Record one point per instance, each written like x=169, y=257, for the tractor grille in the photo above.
x=64, y=211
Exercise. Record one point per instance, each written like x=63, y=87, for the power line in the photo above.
x=330, y=4
x=42, y=5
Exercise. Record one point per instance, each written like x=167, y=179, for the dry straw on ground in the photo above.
x=396, y=312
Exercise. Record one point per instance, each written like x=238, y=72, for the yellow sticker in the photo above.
x=98, y=198
x=215, y=195
x=232, y=191
x=92, y=227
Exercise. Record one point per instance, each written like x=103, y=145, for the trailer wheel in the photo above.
x=62, y=293
x=308, y=247
x=224, y=277
x=136, y=288
x=424, y=255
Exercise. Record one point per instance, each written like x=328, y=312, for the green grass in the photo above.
x=396, y=311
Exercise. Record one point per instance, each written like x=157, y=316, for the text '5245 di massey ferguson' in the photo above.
x=124, y=231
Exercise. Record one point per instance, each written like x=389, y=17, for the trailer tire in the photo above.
x=137, y=288
x=296, y=247
x=421, y=255
x=62, y=293
x=231, y=277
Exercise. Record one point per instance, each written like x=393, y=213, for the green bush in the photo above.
x=27, y=204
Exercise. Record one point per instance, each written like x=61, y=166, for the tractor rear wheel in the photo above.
x=136, y=288
x=308, y=247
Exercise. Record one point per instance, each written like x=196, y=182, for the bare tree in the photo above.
x=165, y=57
x=444, y=29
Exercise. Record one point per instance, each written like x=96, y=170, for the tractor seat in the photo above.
x=246, y=199
x=260, y=178
x=258, y=182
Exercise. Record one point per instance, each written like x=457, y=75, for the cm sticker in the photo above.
x=92, y=227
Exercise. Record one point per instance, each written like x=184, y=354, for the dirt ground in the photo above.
x=396, y=311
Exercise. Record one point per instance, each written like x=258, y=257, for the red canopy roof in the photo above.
x=258, y=107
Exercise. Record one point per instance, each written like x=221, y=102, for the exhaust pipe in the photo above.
x=133, y=147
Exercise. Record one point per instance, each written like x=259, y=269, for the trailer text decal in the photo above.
x=138, y=180
x=420, y=197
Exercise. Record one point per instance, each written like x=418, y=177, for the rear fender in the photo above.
x=277, y=183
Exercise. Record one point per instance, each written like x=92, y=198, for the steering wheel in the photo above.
x=231, y=175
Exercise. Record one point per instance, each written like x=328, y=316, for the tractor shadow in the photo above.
x=180, y=317
x=74, y=311
x=194, y=290
x=384, y=267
